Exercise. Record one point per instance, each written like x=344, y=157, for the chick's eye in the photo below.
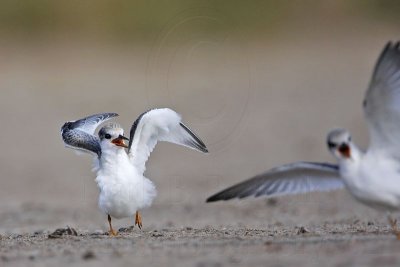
x=107, y=136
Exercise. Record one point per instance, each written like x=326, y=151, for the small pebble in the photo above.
x=58, y=233
x=97, y=233
x=157, y=234
x=126, y=229
x=302, y=230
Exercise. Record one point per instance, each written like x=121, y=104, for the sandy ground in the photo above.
x=256, y=104
x=339, y=245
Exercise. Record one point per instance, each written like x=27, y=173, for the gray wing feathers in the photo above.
x=80, y=140
x=382, y=100
x=388, y=64
x=80, y=134
x=295, y=178
x=90, y=123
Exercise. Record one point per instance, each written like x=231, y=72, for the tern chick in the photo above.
x=124, y=190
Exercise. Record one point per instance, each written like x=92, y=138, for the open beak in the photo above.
x=119, y=141
x=345, y=151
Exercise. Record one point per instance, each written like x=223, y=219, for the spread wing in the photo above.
x=159, y=125
x=290, y=179
x=79, y=134
x=382, y=102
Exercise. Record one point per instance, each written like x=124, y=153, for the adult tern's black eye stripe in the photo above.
x=107, y=136
x=331, y=145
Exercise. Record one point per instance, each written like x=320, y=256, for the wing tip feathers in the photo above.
x=196, y=141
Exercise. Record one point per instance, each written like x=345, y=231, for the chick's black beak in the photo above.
x=119, y=141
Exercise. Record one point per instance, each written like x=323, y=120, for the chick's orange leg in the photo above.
x=111, y=232
x=138, y=220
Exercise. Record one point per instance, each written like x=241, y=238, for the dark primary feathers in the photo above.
x=289, y=179
x=195, y=141
x=80, y=134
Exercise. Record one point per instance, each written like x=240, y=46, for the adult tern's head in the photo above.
x=112, y=135
x=339, y=143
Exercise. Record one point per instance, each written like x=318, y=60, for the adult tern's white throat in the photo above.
x=123, y=188
x=372, y=177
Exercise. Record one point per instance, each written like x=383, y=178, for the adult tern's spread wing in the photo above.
x=80, y=134
x=159, y=125
x=290, y=179
x=382, y=102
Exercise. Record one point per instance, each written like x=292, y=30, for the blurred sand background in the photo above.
x=261, y=82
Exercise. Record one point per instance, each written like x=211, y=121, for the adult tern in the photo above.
x=372, y=177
